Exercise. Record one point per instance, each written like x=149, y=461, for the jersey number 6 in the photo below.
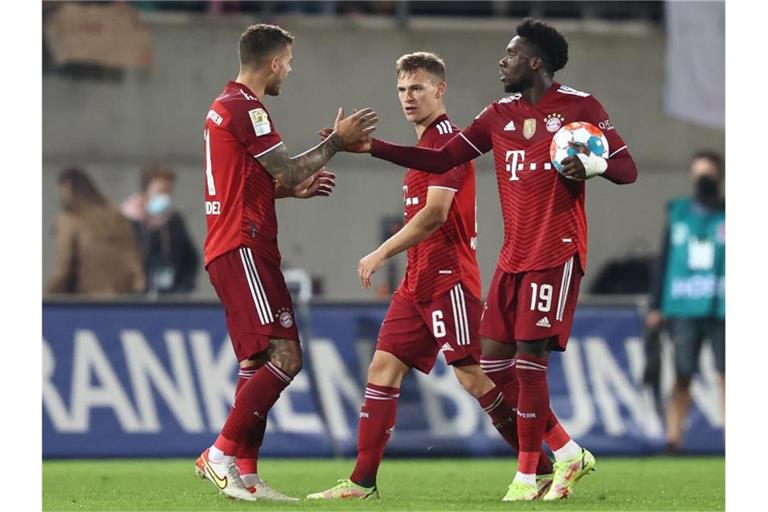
x=438, y=326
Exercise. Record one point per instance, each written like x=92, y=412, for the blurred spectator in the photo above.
x=167, y=252
x=689, y=292
x=95, y=250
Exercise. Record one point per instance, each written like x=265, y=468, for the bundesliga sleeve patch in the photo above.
x=260, y=121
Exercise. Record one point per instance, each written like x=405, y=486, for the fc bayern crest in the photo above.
x=553, y=122
x=285, y=318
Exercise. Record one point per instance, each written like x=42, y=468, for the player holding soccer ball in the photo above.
x=532, y=297
x=247, y=167
x=437, y=307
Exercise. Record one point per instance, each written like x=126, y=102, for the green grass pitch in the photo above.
x=653, y=483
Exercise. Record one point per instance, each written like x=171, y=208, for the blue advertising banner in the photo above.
x=144, y=380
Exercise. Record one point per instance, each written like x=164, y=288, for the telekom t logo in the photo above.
x=515, y=162
x=518, y=156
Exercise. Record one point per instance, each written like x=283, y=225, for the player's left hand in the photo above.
x=368, y=266
x=319, y=184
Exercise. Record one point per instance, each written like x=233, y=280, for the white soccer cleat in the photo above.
x=225, y=477
x=262, y=491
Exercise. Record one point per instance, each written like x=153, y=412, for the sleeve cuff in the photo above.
x=378, y=148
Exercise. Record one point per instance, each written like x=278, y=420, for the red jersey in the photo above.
x=544, y=218
x=239, y=191
x=448, y=255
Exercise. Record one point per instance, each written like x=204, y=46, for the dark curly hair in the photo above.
x=549, y=44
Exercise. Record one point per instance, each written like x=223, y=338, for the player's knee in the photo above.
x=537, y=348
x=292, y=366
x=386, y=372
x=496, y=350
x=295, y=366
x=473, y=380
x=476, y=386
x=378, y=370
x=286, y=355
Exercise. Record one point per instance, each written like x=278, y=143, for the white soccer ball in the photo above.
x=574, y=138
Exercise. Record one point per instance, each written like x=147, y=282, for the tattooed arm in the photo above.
x=347, y=132
x=293, y=170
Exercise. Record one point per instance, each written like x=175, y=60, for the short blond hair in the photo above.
x=427, y=61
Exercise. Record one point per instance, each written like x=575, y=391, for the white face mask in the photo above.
x=158, y=204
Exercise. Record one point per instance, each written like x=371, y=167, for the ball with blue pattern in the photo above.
x=581, y=134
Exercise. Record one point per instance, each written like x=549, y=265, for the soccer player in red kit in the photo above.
x=437, y=306
x=530, y=304
x=247, y=166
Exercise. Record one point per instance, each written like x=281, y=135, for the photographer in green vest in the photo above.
x=689, y=291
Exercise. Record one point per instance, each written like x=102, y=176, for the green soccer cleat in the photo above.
x=519, y=491
x=567, y=473
x=346, y=489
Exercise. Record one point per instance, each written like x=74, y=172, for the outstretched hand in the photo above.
x=355, y=130
x=320, y=184
x=368, y=266
x=364, y=146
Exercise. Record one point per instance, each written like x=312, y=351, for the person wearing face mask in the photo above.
x=688, y=295
x=168, y=254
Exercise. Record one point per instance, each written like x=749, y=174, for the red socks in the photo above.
x=242, y=377
x=248, y=453
x=533, y=410
x=556, y=437
x=502, y=373
x=248, y=416
x=504, y=414
x=258, y=390
x=377, y=420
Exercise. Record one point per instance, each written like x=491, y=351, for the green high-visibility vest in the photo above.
x=694, y=282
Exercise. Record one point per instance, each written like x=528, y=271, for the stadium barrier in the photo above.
x=156, y=380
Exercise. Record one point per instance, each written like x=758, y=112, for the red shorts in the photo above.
x=534, y=305
x=257, y=303
x=415, y=332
